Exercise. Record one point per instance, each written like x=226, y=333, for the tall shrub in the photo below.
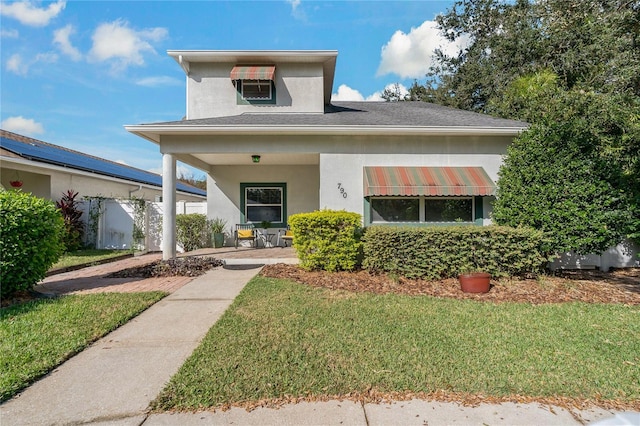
x=327, y=239
x=192, y=231
x=31, y=240
x=74, y=227
x=556, y=179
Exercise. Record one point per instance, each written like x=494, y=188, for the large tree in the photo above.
x=571, y=68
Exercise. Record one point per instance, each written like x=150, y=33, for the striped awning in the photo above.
x=253, y=72
x=429, y=181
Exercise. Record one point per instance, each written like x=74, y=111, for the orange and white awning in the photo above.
x=253, y=72
x=427, y=181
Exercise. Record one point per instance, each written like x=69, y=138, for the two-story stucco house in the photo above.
x=263, y=127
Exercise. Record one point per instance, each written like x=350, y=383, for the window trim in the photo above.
x=476, y=211
x=256, y=83
x=243, y=200
x=241, y=100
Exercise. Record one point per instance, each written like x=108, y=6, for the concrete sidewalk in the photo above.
x=120, y=374
x=113, y=381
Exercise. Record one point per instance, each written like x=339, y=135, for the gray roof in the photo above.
x=392, y=114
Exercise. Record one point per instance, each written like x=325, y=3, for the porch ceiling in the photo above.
x=266, y=159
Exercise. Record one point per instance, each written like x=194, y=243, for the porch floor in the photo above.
x=248, y=255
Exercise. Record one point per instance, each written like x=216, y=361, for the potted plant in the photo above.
x=475, y=282
x=265, y=224
x=473, y=279
x=217, y=226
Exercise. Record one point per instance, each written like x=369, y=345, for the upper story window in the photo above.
x=256, y=89
x=254, y=83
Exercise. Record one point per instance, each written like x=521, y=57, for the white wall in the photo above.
x=346, y=170
x=223, y=188
x=210, y=90
x=624, y=255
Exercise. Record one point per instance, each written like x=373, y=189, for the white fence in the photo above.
x=113, y=226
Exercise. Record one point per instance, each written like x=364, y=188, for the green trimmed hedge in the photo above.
x=444, y=252
x=31, y=240
x=327, y=239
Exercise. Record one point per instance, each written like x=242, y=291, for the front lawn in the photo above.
x=89, y=256
x=281, y=340
x=38, y=335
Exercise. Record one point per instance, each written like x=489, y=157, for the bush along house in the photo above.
x=263, y=127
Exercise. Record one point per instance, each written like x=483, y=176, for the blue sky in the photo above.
x=73, y=73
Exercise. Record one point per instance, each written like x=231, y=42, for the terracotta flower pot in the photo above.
x=475, y=282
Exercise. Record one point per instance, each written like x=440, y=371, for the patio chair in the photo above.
x=246, y=231
x=285, y=235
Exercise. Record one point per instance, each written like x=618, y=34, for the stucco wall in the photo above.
x=223, y=187
x=211, y=93
x=345, y=171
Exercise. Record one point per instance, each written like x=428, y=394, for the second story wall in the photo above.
x=211, y=92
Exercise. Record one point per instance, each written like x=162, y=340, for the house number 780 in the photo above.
x=342, y=191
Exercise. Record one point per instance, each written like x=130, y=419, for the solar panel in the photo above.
x=52, y=154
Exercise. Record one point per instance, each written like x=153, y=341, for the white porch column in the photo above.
x=169, y=206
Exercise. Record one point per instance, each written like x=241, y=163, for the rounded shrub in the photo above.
x=327, y=240
x=31, y=240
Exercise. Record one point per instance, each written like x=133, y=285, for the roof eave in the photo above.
x=153, y=132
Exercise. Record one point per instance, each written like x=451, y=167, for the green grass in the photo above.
x=89, y=256
x=37, y=336
x=282, y=339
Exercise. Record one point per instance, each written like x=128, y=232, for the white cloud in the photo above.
x=296, y=11
x=158, y=81
x=61, y=39
x=29, y=14
x=9, y=33
x=294, y=4
x=23, y=126
x=410, y=55
x=117, y=42
x=17, y=65
x=48, y=58
x=346, y=93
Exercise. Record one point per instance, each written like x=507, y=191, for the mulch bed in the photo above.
x=619, y=286
x=182, y=267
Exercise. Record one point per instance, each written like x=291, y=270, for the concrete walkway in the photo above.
x=119, y=375
x=113, y=381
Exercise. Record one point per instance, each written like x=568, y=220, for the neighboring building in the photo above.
x=263, y=127
x=49, y=171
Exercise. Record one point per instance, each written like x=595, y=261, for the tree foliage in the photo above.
x=571, y=68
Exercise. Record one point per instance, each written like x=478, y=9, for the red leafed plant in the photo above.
x=72, y=214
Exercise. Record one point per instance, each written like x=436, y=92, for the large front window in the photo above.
x=422, y=209
x=264, y=202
